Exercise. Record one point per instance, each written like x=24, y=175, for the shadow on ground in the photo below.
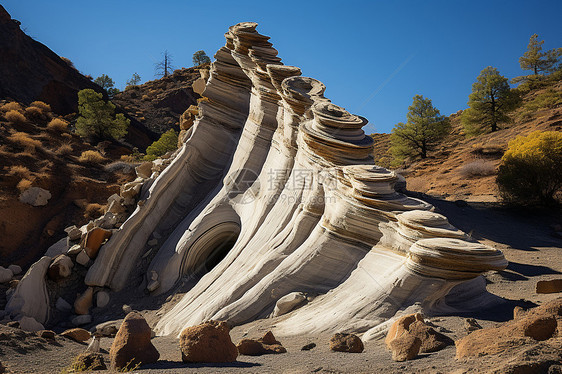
x=167, y=364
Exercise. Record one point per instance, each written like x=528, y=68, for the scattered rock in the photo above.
x=431, y=340
x=35, y=196
x=94, y=240
x=46, y=334
x=81, y=320
x=346, y=343
x=77, y=334
x=74, y=250
x=16, y=269
x=208, y=342
x=266, y=345
x=132, y=344
x=63, y=305
x=127, y=309
x=289, y=302
x=405, y=347
x=88, y=361
x=30, y=324
x=470, y=325
x=308, y=347
x=108, y=329
x=83, y=258
x=549, y=286
x=73, y=232
x=102, y=299
x=144, y=170
x=60, y=268
x=153, y=285
x=84, y=302
x=6, y=275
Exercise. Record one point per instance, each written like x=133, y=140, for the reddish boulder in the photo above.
x=208, y=342
x=77, y=334
x=549, y=286
x=266, y=345
x=413, y=324
x=405, y=347
x=346, y=343
x=132, y=345
x=94, y=240
x=60, y=268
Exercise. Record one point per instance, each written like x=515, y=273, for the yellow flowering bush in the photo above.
x=531, y=169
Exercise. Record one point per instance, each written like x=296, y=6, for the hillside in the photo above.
x=466, y=168
x=159, y=103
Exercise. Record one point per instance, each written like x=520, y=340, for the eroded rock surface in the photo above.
x=208, y=342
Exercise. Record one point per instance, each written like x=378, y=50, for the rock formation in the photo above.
x=274, y=192
x=132, y=345
x=208, y=342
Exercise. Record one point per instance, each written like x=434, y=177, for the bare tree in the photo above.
x=164, y=67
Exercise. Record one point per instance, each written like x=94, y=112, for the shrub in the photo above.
x=15, y=117
x=10, y=106
x=546, y=100
x=25, y=141
x=120, y=167
x=477, y=168
x=24, y=184
x=64, y=149
x=167, y=142
x=94, y=210
x=57, y=124
x=93, y=157
x=41, y=105
x=97, y=118
x=19, y=171
x=34, y=113
x=530, y=172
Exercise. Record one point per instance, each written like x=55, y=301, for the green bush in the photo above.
x=167, y=142
x=530, y=172
x=546, y=100
x=97, y=118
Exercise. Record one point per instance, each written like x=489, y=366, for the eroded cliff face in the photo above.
x=30, y=71
x=274, y=192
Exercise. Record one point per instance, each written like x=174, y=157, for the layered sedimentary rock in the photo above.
x=274, y=192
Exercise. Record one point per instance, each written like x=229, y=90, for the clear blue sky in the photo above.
x=373, y=56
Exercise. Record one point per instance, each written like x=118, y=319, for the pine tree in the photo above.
x=421, y=133
x=97, y=118
x=490, y=102
x=200, y=57
x=105, y=82
x=536, y=60
x=135, y=80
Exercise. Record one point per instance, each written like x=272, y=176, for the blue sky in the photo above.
x=373, y=56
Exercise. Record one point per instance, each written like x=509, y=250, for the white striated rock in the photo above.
x=16, y=269
x=6, y=275
x=30, y=297
x=35, y=196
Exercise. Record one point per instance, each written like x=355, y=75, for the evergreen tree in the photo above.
x=200, y=57
x=134, y=81
x=489, y=103
x=105, y=82
x=97, y=118
x=536, y=60
x=421, y=133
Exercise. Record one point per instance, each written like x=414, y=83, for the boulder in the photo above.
x=74, y=250
x=30, y=324
x=132, y=344
x=16, y=269
x=73, y=233
x=108, y=329
x=470, y=325
x=265, y=345
x=289, y=302
x=94, y=240
x=30, y=297
x=60, y=268
x=208, y=342
x=549, y=286
x=81, y=320
x=6, y=275
x=153, y=285
x=60, y=247
x=35, y=196
x=88, y=361
x=63, y=305
x=131, y=190
x=405, y=347
x=102, y=299
x=351, y=343
x=83, y=258
x=144, y=170
x=84, y=302
x=77, y=334
x=413, y=324
x=308, y=347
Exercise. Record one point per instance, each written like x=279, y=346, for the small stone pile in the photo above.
x=263, y=346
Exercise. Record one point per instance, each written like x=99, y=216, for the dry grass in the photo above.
x=93, y=157
x=64, y=149
x=34, y=113
x=477, y=168
x=25, y=141
x=24, y=184
x=94, y=210
x=57, y=124
x=15, y=117
x=41, y=105
x=10, y=106
x=19, y=171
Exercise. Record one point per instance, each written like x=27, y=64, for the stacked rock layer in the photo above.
x=274, y=192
